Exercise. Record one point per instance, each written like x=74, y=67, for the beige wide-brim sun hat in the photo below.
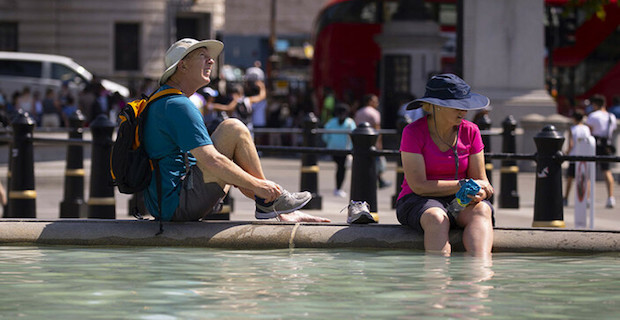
x=182, y=48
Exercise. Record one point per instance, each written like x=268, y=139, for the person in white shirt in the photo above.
x=602, y=124
x=578, y=132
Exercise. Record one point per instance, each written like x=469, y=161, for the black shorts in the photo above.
x=570, y=173
x=197, y=198
x=409, y=209
x=602, y=150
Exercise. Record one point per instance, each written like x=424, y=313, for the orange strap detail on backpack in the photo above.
x=164, y=92
x=141, y=107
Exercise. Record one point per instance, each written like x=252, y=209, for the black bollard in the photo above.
x=364, y=170
x=22, y=197
x=508, y=195
x=101, y=203
x=309, y=167
x=548, y=207
x=400, y=173
x=484, y=123
x=72, y=205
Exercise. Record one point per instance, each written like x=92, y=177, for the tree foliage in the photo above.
x=591, y=7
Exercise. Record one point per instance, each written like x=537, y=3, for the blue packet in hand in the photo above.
x=470, y=187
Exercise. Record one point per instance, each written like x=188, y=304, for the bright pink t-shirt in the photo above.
x=440, y=165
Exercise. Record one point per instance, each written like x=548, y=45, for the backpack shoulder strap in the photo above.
x=163, y=93
x=155, y=162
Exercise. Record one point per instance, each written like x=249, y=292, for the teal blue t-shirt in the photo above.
x=173, y=127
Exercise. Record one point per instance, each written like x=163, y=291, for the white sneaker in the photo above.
x=611, y=202
x=340, y=193
x=359, y=213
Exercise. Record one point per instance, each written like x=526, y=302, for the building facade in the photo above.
x=126, y=40
x=248, y=24
x=115, y=39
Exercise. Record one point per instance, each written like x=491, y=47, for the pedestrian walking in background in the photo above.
x=340, y=121
x=370, y=113
x=409, y=115
x=68, y=109
x=38, y=107
x=615, y=106
x=255, y=72
x=211, y=116
x=241, y=105
x=51, y=110
x=602, y=124
x=578, y=133
x=25, y=101
x=259, y=118
x=329, y=103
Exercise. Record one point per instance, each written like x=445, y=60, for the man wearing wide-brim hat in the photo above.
x=175, y=134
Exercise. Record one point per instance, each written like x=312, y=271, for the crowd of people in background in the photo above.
x=53, y=109
x=245, y=99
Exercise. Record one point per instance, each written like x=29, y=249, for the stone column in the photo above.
x=410, y=53
x=503, y=56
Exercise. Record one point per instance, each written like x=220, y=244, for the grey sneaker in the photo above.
x=359, y=213
x=287, y=202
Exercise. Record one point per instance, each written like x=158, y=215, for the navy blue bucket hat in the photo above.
x=450, y=91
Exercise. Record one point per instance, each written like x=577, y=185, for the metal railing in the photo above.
x=548, y=209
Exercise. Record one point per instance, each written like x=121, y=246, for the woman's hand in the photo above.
x=485, y=192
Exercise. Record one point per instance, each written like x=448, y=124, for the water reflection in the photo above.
x=23, y=260
x=458, y=283
x=197, y=283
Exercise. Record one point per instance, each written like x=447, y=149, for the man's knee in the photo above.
x=230, y=131
x=229, y=134
x=232, y=125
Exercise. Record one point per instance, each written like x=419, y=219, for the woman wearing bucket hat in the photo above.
x=439, y=153
x=197, y=169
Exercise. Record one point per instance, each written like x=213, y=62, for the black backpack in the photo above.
x=130, y=165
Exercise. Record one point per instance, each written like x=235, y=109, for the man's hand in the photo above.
x=268, y=190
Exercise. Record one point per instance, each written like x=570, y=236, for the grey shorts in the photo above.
x=197, y=198
x=409, y=209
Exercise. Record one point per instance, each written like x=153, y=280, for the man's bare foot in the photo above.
x=298, y=216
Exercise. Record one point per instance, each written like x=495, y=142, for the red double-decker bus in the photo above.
x=583, y=51
x=347, y=57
